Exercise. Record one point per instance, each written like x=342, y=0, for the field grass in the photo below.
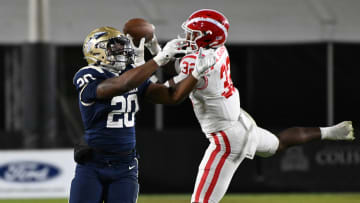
x=234, y=198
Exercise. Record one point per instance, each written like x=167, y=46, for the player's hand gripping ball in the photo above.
x=139, y=28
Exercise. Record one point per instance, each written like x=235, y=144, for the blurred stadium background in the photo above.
x=295, y=62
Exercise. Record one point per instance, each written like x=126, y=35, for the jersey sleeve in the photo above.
x=186, y=67
x=86, y=81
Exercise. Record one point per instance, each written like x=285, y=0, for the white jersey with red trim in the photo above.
x=216, y=101
x=232, y=133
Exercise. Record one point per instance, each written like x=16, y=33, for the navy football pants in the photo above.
x=98, y=182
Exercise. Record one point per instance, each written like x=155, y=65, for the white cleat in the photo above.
x=341, y=131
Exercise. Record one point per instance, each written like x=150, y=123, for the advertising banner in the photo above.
x=36, y=173
x=320, y=166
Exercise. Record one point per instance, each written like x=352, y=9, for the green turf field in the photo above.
x=234, y=198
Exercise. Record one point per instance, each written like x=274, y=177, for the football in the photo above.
x=138, y=28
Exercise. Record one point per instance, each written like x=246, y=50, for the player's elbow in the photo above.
x=176, y=98
x=167, y=95
x=173, y=97
x=174, y=101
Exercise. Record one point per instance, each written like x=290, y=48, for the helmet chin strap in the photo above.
x=117, y=67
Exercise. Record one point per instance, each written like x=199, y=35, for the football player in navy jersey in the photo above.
x=109, y=89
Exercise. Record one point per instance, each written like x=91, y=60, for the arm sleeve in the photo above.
x=86, y=82
x=88, y=93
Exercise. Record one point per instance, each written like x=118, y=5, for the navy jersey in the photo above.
x=110, y=123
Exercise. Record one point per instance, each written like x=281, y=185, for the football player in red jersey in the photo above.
x=232, y=133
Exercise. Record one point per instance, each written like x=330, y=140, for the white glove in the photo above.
x=139, y=51
x=171, y=48
x=204, y=60
x=153, y=45
x=177, y=65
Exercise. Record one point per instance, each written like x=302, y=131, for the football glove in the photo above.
x=153, y=45
x=171, y=48
x=204, y=60
x=139, y=51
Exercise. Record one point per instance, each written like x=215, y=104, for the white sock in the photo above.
x=326, y=131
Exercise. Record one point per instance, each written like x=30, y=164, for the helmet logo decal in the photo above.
x=89, y=45
x=99, y=34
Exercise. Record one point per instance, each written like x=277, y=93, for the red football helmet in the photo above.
x=206, y=28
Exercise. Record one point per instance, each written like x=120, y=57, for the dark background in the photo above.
x=281, y=85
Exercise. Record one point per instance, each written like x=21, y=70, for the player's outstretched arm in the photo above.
x=133, y=78
x=159, y=93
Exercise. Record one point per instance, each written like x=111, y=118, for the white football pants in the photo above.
x=223, y=156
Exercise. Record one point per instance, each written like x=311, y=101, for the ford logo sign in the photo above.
x=28, y=171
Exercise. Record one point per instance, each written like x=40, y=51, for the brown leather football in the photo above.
x=138, y=28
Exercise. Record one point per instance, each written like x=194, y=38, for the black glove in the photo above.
x=82, y=153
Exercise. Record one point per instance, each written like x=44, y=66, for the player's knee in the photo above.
x=281, y=147
x=284, y=138
x=290, y=137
